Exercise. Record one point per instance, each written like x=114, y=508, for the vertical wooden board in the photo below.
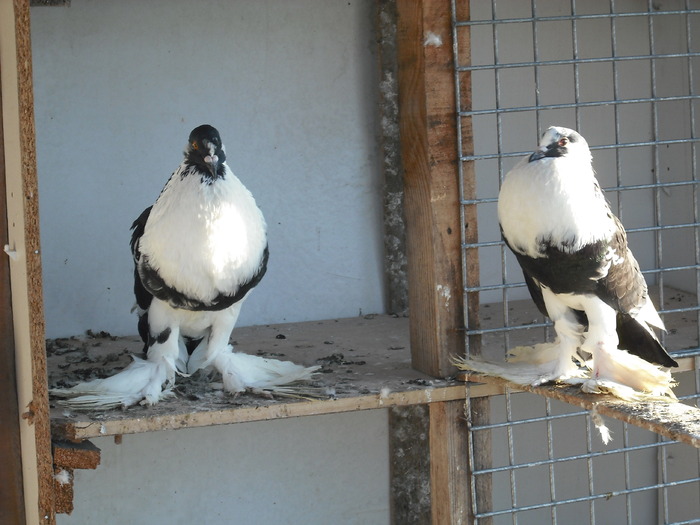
x=470, y=232
x=431, y=182
x=25, y=263
x=11, y=492
x=449, y=477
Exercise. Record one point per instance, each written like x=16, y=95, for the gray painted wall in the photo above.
x=311, y=470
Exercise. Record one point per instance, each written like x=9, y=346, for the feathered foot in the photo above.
x=243, y=371
x=627, y=376
x=142, y=381
x=529, y=365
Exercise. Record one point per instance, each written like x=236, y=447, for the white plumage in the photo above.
x=198, y=251
x=581, y=273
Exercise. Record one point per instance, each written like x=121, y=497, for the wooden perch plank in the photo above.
x=676, y=421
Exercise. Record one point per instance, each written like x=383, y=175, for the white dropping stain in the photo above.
x=432, y=39
x=446, y=293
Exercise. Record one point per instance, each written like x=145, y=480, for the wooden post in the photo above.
x=429, y=469
x=449, y=469
x=24, y=259
x=431, y=183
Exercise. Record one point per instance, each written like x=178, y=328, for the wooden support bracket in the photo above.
x=68, y=456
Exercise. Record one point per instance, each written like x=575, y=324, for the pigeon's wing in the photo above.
x=623, y=287
x=622, y=284
x=143, y=296
x=535, y=293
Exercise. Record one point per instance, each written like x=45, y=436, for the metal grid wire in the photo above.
x=625, y=74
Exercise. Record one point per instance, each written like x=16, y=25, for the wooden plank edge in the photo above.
x=674, y=420
x=64, y=428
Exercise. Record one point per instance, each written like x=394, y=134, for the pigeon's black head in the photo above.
x=561, y=142
x=205, y=151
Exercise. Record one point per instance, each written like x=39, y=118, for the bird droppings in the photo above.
x=432, y=39
x=446, y=293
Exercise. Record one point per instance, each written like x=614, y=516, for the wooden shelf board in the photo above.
x=366, y=364
x=674, y=420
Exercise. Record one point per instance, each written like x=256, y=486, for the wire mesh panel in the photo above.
x=625, y=74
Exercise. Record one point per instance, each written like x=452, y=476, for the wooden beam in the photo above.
x=432, y=204
x=25, y=259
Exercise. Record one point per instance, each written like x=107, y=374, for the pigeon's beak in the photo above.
x=538, y=154
x=213, y=163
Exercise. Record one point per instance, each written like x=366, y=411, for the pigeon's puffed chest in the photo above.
x=204, y=238
x=552, y=202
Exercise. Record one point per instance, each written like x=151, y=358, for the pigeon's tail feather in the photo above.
x=142, y=381
x=243, y=371
x=637, y=338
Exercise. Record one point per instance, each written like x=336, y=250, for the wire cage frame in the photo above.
x=625, y=74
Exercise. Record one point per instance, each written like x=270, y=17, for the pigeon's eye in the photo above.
x=195, y=145
x=563, y=141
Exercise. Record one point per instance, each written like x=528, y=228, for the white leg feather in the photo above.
x=530, y=365
x=242, y=371
x=142, y=381
x=627, y=376
x=616, y=371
